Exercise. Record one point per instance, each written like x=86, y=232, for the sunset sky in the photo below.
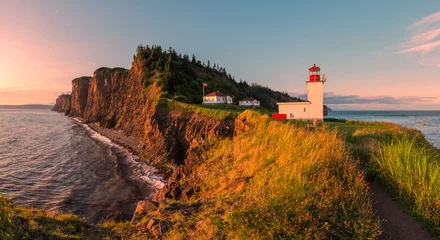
x=376, y=54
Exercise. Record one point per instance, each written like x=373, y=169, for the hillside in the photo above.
x=182, y=78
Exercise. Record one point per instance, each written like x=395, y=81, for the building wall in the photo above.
x=249, y=103
x=315, y=95
x=229, y=100
x=295, y=110
x=218, y=100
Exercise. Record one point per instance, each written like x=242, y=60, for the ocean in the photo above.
x=414, y=119
x=49, y=161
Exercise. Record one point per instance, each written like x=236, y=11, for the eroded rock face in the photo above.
x=169, y=138
x=63, y=104
x=80, y=90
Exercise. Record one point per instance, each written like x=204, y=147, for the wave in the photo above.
x=143, y=171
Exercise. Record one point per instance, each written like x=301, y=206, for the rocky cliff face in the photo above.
x=63, y=104
x=129, y=101
x=80, y=89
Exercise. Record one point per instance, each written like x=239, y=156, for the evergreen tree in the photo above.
x=209, y=64
x=194, y=59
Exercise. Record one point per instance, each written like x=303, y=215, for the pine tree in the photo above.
x=194, y=59
x=209, y=64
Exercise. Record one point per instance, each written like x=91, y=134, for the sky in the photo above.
x=375, y=54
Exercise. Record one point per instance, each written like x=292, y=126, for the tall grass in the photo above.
x=412, y=170
x=275, y=181
x=6, y=218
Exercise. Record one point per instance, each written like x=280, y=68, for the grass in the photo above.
x=278, y=181
x=413, y=171
x=28, y=223
x=404, y=161
x=165, y=105
x=107, y=70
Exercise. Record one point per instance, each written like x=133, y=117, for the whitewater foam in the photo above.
x=142, y=170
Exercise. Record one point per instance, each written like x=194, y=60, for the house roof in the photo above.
x=216, y=94
x=248, y=99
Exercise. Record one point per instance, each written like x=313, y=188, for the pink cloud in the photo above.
x=425, y=36
x=429, y=19
x=424, y=48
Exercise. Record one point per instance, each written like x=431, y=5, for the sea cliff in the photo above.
x=167, y=133
x=63, y=104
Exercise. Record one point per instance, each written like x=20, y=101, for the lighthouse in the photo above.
x=315, y=93
x=313, y=108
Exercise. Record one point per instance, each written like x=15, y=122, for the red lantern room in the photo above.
x=314, y=74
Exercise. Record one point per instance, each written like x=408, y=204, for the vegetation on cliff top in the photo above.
x=273, y=180
x=404, y=162
x=81, y=78
x=107, y=70
x=182, y=78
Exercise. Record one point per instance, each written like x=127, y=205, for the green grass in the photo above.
x=107, y=70
x=403, y=160
x=220, y=114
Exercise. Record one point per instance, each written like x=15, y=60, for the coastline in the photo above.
x=118, y=137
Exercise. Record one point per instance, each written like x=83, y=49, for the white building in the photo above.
x=247, y=102
x=217, y=98
x=314, y=107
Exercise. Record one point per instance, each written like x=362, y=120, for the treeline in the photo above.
x=182, y=78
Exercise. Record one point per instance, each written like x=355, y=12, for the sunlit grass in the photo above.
x=412, y=171
x=280, y=181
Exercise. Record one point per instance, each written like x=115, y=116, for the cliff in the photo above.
x=80, y=89
x=63, y=104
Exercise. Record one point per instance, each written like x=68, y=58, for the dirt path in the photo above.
x=397, y=224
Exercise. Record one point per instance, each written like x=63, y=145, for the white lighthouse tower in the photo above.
x=313, y=109
x=315, y=93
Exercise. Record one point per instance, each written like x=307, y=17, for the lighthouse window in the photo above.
x=304, y=109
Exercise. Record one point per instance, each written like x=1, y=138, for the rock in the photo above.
x=151, y=224
x=80, y=89
x=145, y=206
x=63, y=103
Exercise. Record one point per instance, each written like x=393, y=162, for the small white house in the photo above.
x=217, y=98
x=248, y=102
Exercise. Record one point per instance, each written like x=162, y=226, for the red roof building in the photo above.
x=217, y=98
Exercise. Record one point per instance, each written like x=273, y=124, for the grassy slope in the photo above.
x=182, y=79
x=28, y=223
x=275, y=181
x=404, y=161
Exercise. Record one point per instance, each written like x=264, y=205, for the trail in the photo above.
x=396, y=223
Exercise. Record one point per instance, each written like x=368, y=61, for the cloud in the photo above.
x=424, y=48
x=424, y=41
x=428, y=19
x=340, y=99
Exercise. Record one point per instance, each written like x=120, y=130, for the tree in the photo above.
x=194, y=59
x=209, y=64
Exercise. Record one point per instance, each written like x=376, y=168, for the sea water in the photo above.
x=51, y=162
x=428, y=122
